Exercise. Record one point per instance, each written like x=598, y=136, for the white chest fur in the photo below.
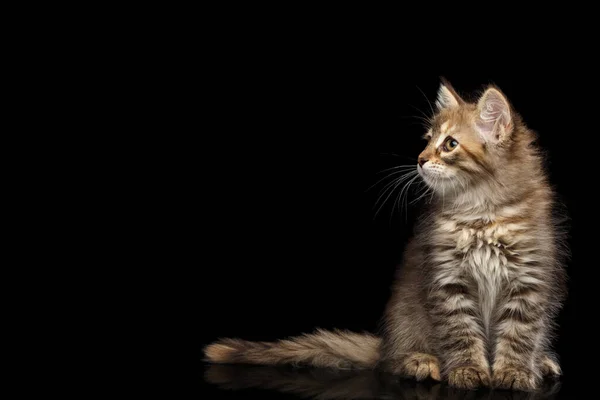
x=487, y=265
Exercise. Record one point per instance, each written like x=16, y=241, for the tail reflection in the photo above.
x=325, y=384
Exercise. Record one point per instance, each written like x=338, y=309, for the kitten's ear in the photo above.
x=447, y=96
x=494, y=119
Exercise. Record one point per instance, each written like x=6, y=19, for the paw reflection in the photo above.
x=325, y=384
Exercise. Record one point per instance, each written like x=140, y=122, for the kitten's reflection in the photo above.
x=324, y=384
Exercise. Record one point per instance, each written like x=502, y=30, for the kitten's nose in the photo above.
x=422, y=160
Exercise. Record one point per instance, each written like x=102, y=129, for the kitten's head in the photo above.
x=467, y=141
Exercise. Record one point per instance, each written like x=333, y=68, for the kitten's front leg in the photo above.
x=455, y=316
x=521, y=327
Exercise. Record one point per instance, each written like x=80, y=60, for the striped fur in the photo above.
x=338, y=349
x=482, y=280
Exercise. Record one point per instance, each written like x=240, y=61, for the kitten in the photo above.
x=482, y=279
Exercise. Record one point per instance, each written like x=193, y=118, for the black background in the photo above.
x=276, y=228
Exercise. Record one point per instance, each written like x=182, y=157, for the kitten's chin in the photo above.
x=439, y=182
x=441, y=185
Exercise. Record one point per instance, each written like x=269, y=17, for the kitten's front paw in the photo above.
x=468, y=377
x=549, y=367
x=515, y=378
x=421, y=366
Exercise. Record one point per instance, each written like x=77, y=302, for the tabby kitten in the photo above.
x=482, y=279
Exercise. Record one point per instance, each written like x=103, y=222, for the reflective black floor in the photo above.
x=229, y=381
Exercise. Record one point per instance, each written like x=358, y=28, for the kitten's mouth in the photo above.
x=434, y=178
x=434, y=173
x=426, y=173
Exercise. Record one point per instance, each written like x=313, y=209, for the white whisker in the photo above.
x=384, y=178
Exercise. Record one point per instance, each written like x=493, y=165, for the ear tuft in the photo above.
x=446, y=97
x=494, y=120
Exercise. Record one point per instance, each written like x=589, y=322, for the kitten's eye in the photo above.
x=450, y=144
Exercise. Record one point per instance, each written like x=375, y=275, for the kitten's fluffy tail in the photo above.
x=337, y=349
